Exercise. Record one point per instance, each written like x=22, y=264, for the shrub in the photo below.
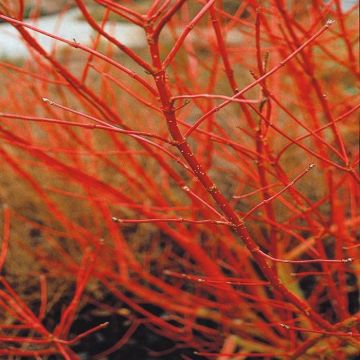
x=203, y=187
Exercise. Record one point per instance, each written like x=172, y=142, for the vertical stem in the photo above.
x=230, y=214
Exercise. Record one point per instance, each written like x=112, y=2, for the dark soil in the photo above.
x=144, y=344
